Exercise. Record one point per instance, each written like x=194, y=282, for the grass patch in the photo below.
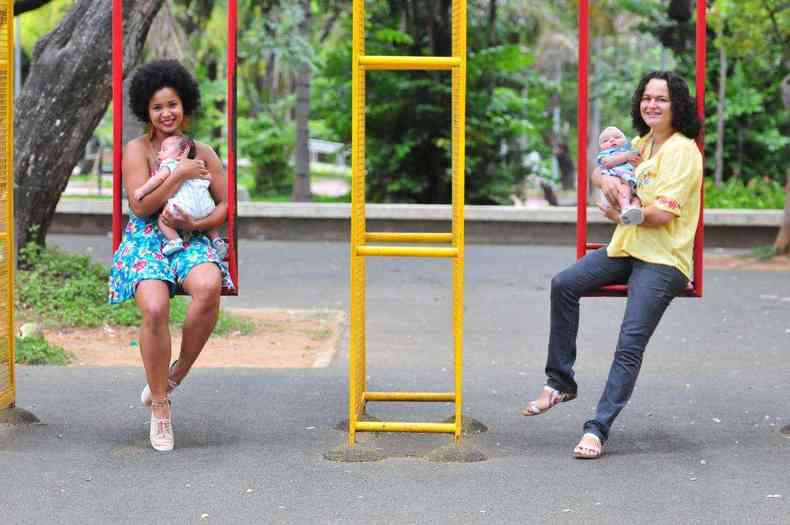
x=89, y=196
x=762, y=253
x=37, y=351
x=60, y=289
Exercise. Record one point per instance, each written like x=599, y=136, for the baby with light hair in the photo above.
x=615, y=159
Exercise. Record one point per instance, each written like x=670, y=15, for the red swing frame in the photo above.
x=582, y=246
x=117, y=136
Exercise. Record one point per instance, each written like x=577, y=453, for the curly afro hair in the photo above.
x=153, y=76
x=684, y=114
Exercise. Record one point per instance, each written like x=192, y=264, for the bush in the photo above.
x=66, y=289
x=757, y=193
x=36, y=351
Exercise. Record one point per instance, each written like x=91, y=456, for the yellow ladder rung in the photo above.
x=3, y=236
x=397, y=426
x=406, y=251
x=408, y=237
x=410, y=396
x=419, y=63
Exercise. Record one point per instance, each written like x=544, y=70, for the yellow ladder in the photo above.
x=7, y=390
x=360, y=237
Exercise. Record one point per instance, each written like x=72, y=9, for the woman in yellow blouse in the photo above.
x=653, y=258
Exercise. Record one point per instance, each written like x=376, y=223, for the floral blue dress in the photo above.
x=140, y=258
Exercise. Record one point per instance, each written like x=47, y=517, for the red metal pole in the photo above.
x=231, y=153
x=117, y=120
x=699, y=238
x=581, y=164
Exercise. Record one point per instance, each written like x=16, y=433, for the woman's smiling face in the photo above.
x=165, y=111
x=656, y=107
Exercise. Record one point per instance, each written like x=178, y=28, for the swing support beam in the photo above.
x=582, y=245
x=117, y=135
x=449, y=245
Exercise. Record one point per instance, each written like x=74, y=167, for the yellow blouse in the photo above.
x=671, y=182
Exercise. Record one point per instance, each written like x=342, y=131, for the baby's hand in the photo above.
x=634, y=158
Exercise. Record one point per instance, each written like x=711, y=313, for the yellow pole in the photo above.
x=356, y=352
x=458, y=154
x=7, y=381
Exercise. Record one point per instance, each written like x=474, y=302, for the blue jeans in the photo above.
x=651, y=287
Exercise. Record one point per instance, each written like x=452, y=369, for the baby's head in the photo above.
x=173, y=146
x=611, y=137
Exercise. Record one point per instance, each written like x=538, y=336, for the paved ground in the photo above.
x=700, y=442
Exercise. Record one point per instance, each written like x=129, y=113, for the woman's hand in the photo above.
x=192, y=169
x=609, y=212
x=610, y=187
x=177, y=218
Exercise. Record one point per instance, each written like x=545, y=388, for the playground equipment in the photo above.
x=7, y=386
x=453, y=242
x=582, y=246
x=117, y=136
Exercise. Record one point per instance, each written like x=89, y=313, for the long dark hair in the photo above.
x=684, y=114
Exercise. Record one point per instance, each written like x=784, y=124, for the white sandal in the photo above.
x=555, y=398
x=161, y=433
x=585, y=450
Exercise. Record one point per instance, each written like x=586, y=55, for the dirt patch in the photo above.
x=281, y=339
x=779, y=263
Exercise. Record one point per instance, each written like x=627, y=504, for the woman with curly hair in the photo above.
x=163, y=95
x=653, y=258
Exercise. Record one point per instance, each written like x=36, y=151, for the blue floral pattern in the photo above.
x=140, y=258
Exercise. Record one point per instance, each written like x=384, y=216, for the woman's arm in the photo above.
x=653, y=217
x=609, y=186
x=181, y=221
x=135, y=174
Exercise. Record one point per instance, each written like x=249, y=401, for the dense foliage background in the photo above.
x=521, y=121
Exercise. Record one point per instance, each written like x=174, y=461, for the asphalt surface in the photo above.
x=699, y=442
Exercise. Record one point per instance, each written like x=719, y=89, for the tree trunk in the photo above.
x=64, y=98
x=782, y=242
x=565, y=164
x=718, y=172
x=301, y=186
x=492, y=16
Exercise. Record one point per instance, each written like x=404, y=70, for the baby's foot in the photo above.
x=172, y=246
x=632, y=216
x=221, y=247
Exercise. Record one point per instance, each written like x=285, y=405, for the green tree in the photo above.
x=408, y=113
x=64, y=98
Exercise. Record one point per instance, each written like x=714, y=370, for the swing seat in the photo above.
x=694, y=288
x=231, y=166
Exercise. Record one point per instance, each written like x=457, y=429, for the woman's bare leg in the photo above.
x=204, y=284
x=153, y=300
